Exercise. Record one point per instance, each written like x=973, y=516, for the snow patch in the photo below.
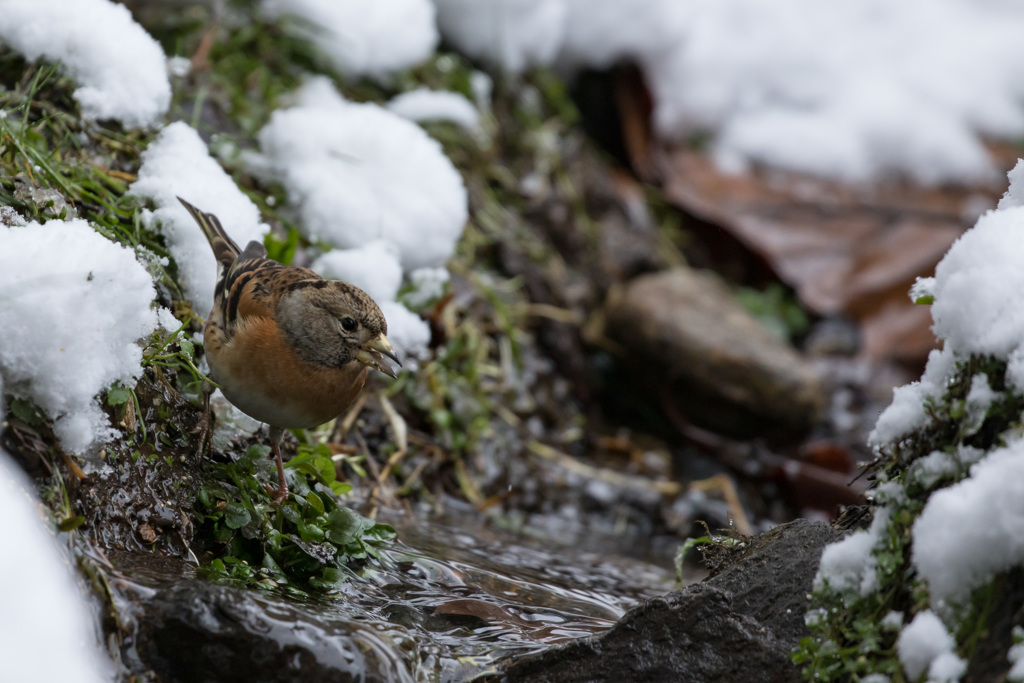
x=946, y=668
x=907, y=413
x=363, y=37
x=407, y=332
x=1015, y=655
x=979, y=399
x=966, y=533
x=120, y=69
x=73, y=307
x=177, y=164
x=893, y=621
x=374, y=268
x=423, y=104
x=508, y=34
x=922, y=642
x=789, y=83
x=428, y=285
x=876, y=678
x=359, y=173
x=923, y=288
x=976, y=286
x=1014, y=195
x=849, y=566
x=40, y=604
x=927, y=471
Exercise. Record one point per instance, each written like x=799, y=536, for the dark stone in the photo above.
x=739, y=625
x=684, y=334
x=198, y=631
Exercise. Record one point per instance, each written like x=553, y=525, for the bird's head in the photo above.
x=334, y=323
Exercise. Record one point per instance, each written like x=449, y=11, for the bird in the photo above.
x=286, y=346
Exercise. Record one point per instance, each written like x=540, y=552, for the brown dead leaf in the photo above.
x=845, y=250
x=635, y=106
x=480, y=609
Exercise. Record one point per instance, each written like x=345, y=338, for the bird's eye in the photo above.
x=349, y=324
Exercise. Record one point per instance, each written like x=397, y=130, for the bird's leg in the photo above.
x=282, y=486
x=205, y=422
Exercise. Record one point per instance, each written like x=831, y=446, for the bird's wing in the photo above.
x=253, y=286
x=249, y=285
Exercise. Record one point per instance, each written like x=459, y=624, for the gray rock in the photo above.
x=199, y=631
x=685, y=334
x=739, y=625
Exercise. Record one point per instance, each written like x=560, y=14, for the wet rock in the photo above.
x=199, y=631
x=739, y=625
x=685, y=334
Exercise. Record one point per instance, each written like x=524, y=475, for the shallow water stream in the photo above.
x=448, y=603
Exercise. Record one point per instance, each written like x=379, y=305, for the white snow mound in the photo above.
x=363, y=37
x=121, y=69
x=178, y=164
x=509, y=34
x=407, y=332
x=850, y=90
x=923, y=641
x=374, y=268
x=423, y=104
x=358, y=173
x=39, y=602
x=966, y=533
x=73, y=306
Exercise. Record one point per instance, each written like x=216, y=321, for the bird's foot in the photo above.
x=205, y=432
x=205, y=426
x=278, y=495
x=282, y=484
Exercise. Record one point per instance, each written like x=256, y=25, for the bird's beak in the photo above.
x=373, y=352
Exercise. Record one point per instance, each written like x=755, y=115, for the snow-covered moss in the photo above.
x=949, y=472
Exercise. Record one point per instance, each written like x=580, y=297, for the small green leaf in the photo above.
x=25, y=412
x=236, y=516
x=241, y=571
x=70, y=523
x=257, y=452
x=345, y=526
x=925, y=300
x=188, y=349
x=311, y=533
x=315, y=502
x=118, y=396
x=223, y=534
x=340, y=488
x=291, y=514
x=325, y=466
x=382, y=532
x=282, y=250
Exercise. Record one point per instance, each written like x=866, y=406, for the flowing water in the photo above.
x=447, y=603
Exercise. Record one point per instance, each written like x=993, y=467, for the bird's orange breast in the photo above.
x=261, y=374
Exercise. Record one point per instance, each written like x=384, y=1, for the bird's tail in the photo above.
x=225, y=250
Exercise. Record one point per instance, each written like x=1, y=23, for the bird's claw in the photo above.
x=205, y=423
x=278, y=495
x=205, y=430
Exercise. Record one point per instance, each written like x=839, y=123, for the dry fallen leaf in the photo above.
x=845, y=250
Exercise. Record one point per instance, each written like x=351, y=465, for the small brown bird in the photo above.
x=286, y=346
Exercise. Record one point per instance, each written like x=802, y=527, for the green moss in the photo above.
x=777, y=309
